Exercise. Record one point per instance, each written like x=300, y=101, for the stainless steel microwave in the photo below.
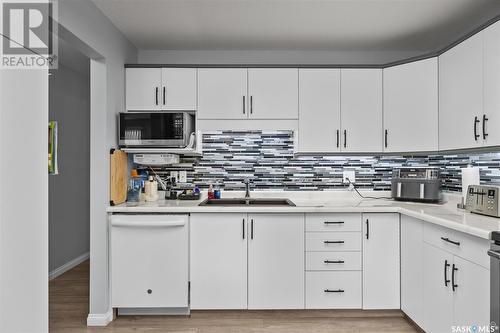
x=155, y=129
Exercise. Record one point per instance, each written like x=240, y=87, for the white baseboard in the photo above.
x=100, y=319
x=69, y=265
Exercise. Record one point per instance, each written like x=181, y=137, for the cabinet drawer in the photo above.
x=458, y=243
x=333, y=222
x=333, y=241
x=333, y=261
x=333, y=290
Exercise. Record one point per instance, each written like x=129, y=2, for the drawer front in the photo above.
x=333, y=222
x=469, y=247
x=333, y=290
x=333, y=261
x=333, y=241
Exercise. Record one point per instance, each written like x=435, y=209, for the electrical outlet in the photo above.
x=182, y=176
x=175, y=174
x=351, y=174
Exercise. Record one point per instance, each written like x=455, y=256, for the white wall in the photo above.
x=272, y=57
x=83, y=19
x=23, y=201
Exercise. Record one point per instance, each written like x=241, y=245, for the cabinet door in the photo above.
x=412, y=270
x=218, y=261
x=381, y=261
x=361, y=110
x=461, y=94
x=438, y=296
x=276, y=261
x=149, y=261
x=319, y=110
x=471, y=299
x=222, y=93
x=178, y=89
x=143, y=88
x=273, y=93
x=491, y=85
x=411, y=107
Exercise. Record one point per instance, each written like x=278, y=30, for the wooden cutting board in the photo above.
x=118, y=177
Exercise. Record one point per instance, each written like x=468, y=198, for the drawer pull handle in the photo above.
x=333, y=222
x=334, y=242
x=334, y=291
x=334, y=261
x=446, y=239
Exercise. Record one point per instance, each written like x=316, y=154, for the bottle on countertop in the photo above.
x=211, y=192
x=217, y=191
x=135, y=187
x=151, y=189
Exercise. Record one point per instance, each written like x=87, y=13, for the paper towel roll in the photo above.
x=470, y=176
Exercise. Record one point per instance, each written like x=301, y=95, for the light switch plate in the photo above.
x=182, y=176
x=351, y=174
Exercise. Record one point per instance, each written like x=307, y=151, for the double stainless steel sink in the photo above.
x=247, y=202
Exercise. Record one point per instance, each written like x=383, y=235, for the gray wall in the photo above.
x=275, y=57
x=85, y=21
x=69, y=191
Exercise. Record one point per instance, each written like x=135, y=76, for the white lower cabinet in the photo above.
x=276, y=261
x=333, y=290
x=412, y=270
x=219, y=261
x=381, y=270
x=235, y=255
x=333, y=261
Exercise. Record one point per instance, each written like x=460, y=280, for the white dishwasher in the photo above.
x=149, y=260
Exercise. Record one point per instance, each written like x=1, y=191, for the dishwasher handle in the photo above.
x=147, y=224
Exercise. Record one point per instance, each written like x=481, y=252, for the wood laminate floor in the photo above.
x=69, y=308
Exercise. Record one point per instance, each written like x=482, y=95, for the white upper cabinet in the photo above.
x=319, y=110
x=491, y=134
x=222, y=93
x=143, y=88
x=160, y=89
x=361, y=110
x=273, y=93
x=411, y=107
x=461, y=95
x=381, y=268
x=179, y=88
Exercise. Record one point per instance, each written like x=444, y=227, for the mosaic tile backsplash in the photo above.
x=267, y=158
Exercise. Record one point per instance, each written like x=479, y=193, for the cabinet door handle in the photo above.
x=333, y=222
x=476, y=136
x=446, y=239
x=156, y=95
x=243, y=225
x=345, y=138
x=334, y=242
x=453, y=284
x=385, y=137
x=367, y=229
x=164, y=94
x=485, y=119
x=244, y=107
x=251, y=228
x=446, y=265
x=251, y=104
x=337, y=138
x=334, y=291
x=334, y=261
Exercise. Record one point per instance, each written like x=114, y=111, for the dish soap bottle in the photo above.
x=210, y=192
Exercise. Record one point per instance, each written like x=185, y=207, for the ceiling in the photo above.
x=357, y=25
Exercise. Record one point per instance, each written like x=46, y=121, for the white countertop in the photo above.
x=446, y=215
